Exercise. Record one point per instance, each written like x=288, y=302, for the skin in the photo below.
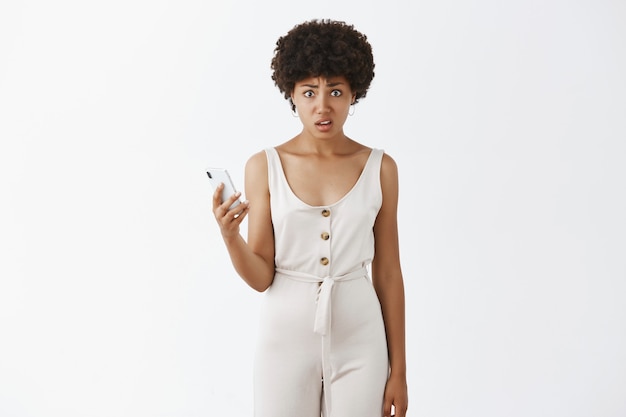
x=322, y=164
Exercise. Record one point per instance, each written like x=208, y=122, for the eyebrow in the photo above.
x=317, y=86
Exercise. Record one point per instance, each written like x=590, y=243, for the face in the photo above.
x=323, y=104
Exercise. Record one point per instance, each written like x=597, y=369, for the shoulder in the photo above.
x=389, y=179
x=256, y=169
x=388, y=166
x=257, y=163
x=256, y=172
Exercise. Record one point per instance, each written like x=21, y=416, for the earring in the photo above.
x=294, y=111
x=351, y=111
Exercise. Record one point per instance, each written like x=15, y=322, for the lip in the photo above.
x=324, y=127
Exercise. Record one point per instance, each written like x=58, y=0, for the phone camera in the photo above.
x=209, y=174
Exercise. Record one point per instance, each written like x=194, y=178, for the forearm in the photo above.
x=391, y=296
x=257, y=272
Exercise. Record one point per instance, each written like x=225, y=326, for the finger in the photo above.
x=387, y=407
x=240, y=212
x=231, y=200
x=401, y=409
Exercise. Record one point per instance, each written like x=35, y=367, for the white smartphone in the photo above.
x=220, y=175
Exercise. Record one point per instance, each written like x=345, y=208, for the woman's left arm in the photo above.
x=389, y=285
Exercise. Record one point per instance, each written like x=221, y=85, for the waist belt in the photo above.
x=323, y=310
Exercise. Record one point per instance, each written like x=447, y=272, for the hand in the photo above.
x=396, y=394
x=228, y=220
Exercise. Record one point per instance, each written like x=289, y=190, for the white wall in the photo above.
x=506, y=120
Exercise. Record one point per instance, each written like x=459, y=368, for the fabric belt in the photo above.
x=323, y=310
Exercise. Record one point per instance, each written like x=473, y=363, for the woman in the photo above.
x=322, y=211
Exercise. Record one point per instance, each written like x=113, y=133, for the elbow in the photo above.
x=259, y=287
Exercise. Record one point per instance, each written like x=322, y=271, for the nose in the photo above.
x=322, y=104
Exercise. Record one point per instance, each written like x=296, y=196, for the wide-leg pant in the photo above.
x=300, y=373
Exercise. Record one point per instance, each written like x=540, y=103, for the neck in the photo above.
x=324, y=145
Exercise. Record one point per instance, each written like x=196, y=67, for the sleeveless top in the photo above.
x=324, y=245
x=324, y=241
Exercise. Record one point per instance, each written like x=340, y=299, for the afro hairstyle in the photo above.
x=323, y=48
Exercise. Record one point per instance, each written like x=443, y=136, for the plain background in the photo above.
x=507, y=121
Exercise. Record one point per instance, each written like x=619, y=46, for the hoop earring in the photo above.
x=294, y=111
x=352, y=109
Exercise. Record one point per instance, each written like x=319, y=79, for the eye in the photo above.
x=336, y=93
x=308, y=93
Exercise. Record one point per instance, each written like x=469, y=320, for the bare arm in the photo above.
x=389, y=285
x=254, y=260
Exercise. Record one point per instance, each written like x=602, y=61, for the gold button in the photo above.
x=325, y=212
x=325, y=236
x=324, y=261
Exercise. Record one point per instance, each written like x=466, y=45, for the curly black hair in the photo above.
x=326, y=48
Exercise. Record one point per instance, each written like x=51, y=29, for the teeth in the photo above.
x=325, y=123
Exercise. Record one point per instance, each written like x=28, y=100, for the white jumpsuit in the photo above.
x=322, y=347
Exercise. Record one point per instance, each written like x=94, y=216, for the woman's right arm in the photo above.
x=254, y=260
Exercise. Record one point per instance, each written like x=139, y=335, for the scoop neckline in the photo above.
x=345, y=196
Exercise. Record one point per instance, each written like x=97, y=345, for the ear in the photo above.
x=353, y=99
